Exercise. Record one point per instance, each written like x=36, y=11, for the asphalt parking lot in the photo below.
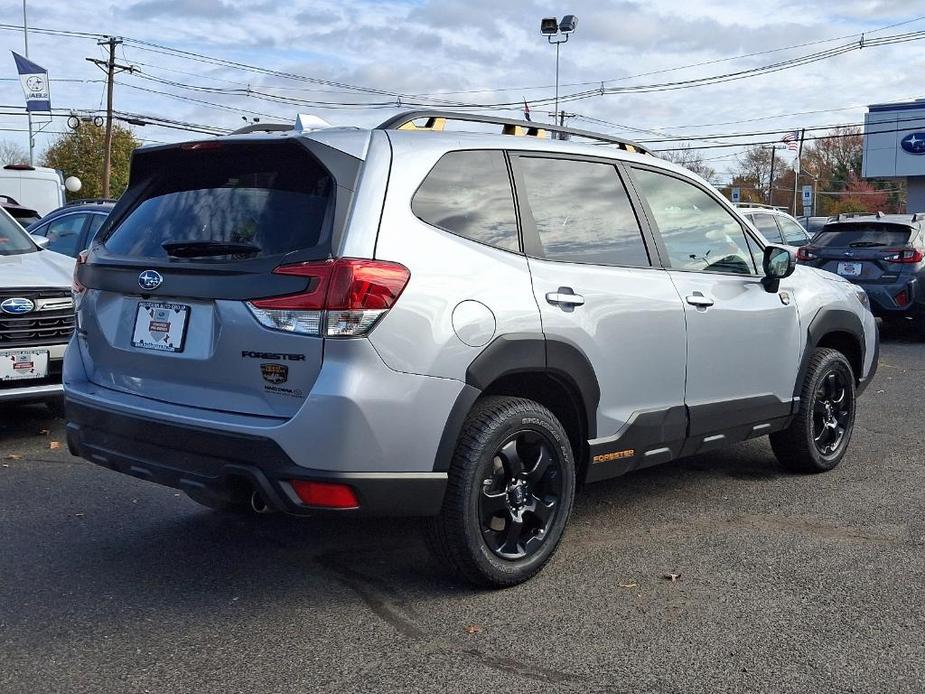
x=783, y=583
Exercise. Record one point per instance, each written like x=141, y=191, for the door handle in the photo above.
x=699, y=300
x=565, y=297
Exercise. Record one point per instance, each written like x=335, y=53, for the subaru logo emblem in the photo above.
x=150, y=279
x=913, y=143
x=17, y=306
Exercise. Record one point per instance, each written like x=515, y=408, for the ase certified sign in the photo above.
x=914, y=143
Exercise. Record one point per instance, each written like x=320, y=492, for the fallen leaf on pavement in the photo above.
x=54, y=445
x=473, y=629
x=628, y=585
x=14, y=456
x=671, y=577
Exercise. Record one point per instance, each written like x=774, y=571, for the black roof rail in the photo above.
x=262, y=128
x=91, y=201
x=436, y=121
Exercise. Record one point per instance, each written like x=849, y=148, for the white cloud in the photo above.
x=451, y=45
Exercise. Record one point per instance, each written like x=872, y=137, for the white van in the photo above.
x=37, y=187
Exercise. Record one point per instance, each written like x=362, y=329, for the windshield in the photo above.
x=13, y=240
x=230, y=204
x=861, y=236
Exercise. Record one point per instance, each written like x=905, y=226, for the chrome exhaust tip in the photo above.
x=258, y=504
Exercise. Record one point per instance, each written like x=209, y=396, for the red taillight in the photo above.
x=343, y=298
x=325, y=494
x=906, y=256
x=804, y=253
x=902, y=299
x=76, y=286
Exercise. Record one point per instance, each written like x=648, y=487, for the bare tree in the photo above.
x=692, y=161
x=12, y=153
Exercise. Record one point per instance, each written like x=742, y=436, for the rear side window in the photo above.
x=794, y=234
x=767, y=226
x=233, y=203
x=582, y=212
x=469, y=194
x=699, y=233
x=64, y=234
x=861, y=236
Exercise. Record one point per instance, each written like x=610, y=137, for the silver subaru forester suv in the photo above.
x=464, y=326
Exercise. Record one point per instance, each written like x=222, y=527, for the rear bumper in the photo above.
x=883, y=302
x=222, y=465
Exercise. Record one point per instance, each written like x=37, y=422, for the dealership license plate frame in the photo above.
x=855, y=269
x=36, y=358
x=175, y=334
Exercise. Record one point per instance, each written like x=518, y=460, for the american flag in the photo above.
x=792, y=139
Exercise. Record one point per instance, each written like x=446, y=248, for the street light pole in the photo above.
x=25, y=38
x=557, y=33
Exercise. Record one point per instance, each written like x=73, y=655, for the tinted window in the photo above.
x=469, y=193
x=861, y=236
x=259, y=200
x=794, y=234
x=698, y=232
x=96, y=221
x=582, y=212
x=767, y=226
x=13, y=240
x=64, y=233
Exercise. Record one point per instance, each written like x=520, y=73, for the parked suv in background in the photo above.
x=71, y=228
x=460, y=326
x=775, y=225
x=884, y=254
x=36, y=317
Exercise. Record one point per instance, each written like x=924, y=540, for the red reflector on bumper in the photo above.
x=325, y=494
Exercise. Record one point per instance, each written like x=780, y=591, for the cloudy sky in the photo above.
x=473, y=52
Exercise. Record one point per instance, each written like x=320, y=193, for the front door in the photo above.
x=597, y=290
x=743, y=342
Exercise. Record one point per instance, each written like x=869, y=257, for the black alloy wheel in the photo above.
x=831, y=412
x=520, y=495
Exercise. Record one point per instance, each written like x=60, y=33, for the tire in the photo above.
x=819, y=435
x=510, y=492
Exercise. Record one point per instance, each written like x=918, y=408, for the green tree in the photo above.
x=80, y=153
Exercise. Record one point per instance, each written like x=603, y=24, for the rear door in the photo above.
x=198, y=233
x=743, y=343
x=598, y=287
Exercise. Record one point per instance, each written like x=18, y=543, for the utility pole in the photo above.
x=771, y=180
x=111, y=68
x=25, y=38
x=796, y=174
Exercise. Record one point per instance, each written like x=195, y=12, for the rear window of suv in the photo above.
x=861, y=236
x=229, y=203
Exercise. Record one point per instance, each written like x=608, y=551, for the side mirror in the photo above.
x=40, y=241
x=779, y=262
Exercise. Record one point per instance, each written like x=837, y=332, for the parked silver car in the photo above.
x=36, y=317
x=460, y=326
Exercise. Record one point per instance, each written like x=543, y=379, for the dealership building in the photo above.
x=894, y=147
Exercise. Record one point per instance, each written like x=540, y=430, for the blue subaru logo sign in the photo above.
x=150, y=279
x=17, y=306
x=914, y=143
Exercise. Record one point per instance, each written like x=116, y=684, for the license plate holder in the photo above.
x=160, y=326
x=23, y=364
x=849, y=269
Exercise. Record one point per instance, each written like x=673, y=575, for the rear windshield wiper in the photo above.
x=201, y=249
x=866, y=244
